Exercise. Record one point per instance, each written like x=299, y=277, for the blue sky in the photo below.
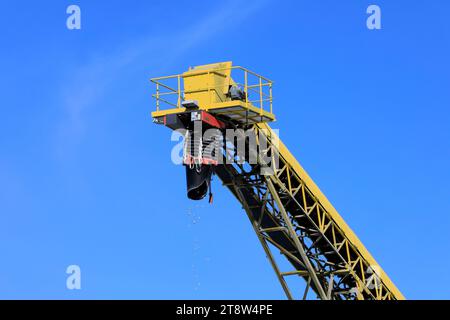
x=86, y=178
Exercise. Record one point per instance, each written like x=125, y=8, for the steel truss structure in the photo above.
x=288, y=217
x=287, y=210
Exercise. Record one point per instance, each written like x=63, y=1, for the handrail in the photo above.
x=171, y=87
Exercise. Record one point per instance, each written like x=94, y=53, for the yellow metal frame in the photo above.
x=329, y=219
x=292, y=216
x=287, y=209
x=208, y=85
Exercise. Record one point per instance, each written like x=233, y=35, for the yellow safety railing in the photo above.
x=169, y=90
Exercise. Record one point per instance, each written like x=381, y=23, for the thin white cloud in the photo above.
x=90, y=82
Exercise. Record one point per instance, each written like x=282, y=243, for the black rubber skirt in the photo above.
x=198, y=181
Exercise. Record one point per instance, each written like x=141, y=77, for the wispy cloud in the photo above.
x=90, y=82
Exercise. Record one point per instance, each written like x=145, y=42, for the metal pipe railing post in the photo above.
x=270, y=96
x=246, y=88
x=157, y=96
x=261, y=95
x=179, y=92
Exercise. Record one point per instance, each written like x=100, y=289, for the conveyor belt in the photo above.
x=335, y=264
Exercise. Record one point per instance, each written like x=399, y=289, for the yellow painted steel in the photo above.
x=209, y=86
x=335, y=216
x=239, y=109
